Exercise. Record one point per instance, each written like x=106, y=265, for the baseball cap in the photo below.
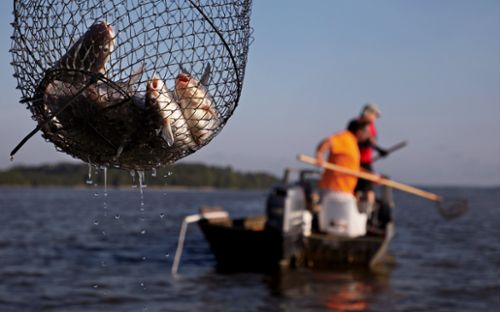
x=370, y=108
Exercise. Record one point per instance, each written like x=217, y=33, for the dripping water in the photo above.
x=141, y=186
x=132, y=173
x=105, y=180
x=89, y=180
x=105, y=169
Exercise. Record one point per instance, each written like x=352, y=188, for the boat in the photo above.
x=288, y=235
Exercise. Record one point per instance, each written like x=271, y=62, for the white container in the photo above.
x=340, y=216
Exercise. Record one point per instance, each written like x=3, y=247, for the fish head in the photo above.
x=157, y=93
x=102, y=42
x=190, y=89
x=92, y=51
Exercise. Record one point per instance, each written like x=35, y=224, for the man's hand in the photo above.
x=382, y=152
x=319, y=162
x=379, y=179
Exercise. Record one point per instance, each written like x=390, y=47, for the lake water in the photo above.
x=63, y=250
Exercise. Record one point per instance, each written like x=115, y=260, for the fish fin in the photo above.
x=183, y=70
x=166, y=132
x=210, y=111
x=206, y=75
x=136, y=75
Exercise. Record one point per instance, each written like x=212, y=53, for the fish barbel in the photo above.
x=89, y=53
x=173, y=126
x=197, y=104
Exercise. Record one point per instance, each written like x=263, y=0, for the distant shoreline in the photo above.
x=130, y=188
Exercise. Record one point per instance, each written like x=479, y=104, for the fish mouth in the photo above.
x=103, y=31
x=183, y=78
x=152, y=88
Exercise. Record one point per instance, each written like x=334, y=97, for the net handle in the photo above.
x=374, y=178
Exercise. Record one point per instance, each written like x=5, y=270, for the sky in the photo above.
x=431, y=66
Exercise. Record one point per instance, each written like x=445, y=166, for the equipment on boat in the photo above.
x=449, y=208
x=339, y=215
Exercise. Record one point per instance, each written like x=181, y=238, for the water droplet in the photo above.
x=142, y=219
x=142, y=284
x=105, y=193
x=162, y=215
x=117, y=216
x=167, y=254
x=96, y=222
x=89, y=182
x=103, y=264
x=143, y=231
x=95, y=286
x=142, y=208
x=103, y=233
x=105, y=293
x=11, y=158
x=144, y=258
x=164, y=193
x=96, y=194
x=105, y=214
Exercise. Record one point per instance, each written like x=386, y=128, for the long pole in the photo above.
x=373, y=177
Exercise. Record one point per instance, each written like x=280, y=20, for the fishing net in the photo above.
x=452, y=207
x=130, y=84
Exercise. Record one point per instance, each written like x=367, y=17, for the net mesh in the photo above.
x=130, y=84
x=452, y=207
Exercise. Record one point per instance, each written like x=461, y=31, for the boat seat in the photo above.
x=219, y=221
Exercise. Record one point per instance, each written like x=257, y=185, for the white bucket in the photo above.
x=340, y=216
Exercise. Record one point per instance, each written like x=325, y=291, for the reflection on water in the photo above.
x=353, y=289
x=53, y=254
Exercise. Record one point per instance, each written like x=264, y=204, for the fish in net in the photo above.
x=130, y=84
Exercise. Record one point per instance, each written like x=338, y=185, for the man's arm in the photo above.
x=320, y=151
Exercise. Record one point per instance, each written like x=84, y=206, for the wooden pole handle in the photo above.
x=372, y=177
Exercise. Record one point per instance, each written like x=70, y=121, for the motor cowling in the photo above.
x=285, y=207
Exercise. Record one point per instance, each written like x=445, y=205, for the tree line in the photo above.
x=187, y=175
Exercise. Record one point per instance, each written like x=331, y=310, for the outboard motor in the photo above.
x=285, y=207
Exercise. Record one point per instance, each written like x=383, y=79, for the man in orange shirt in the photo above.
x=343, y=151
x=339, y=214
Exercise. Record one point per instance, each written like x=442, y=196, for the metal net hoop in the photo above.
x=150, y=38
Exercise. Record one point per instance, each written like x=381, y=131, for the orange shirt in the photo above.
x=344, y=151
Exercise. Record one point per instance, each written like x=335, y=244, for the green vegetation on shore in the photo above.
x=187, y=175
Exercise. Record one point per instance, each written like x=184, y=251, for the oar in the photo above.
x=455, y=209
x=391, y=149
